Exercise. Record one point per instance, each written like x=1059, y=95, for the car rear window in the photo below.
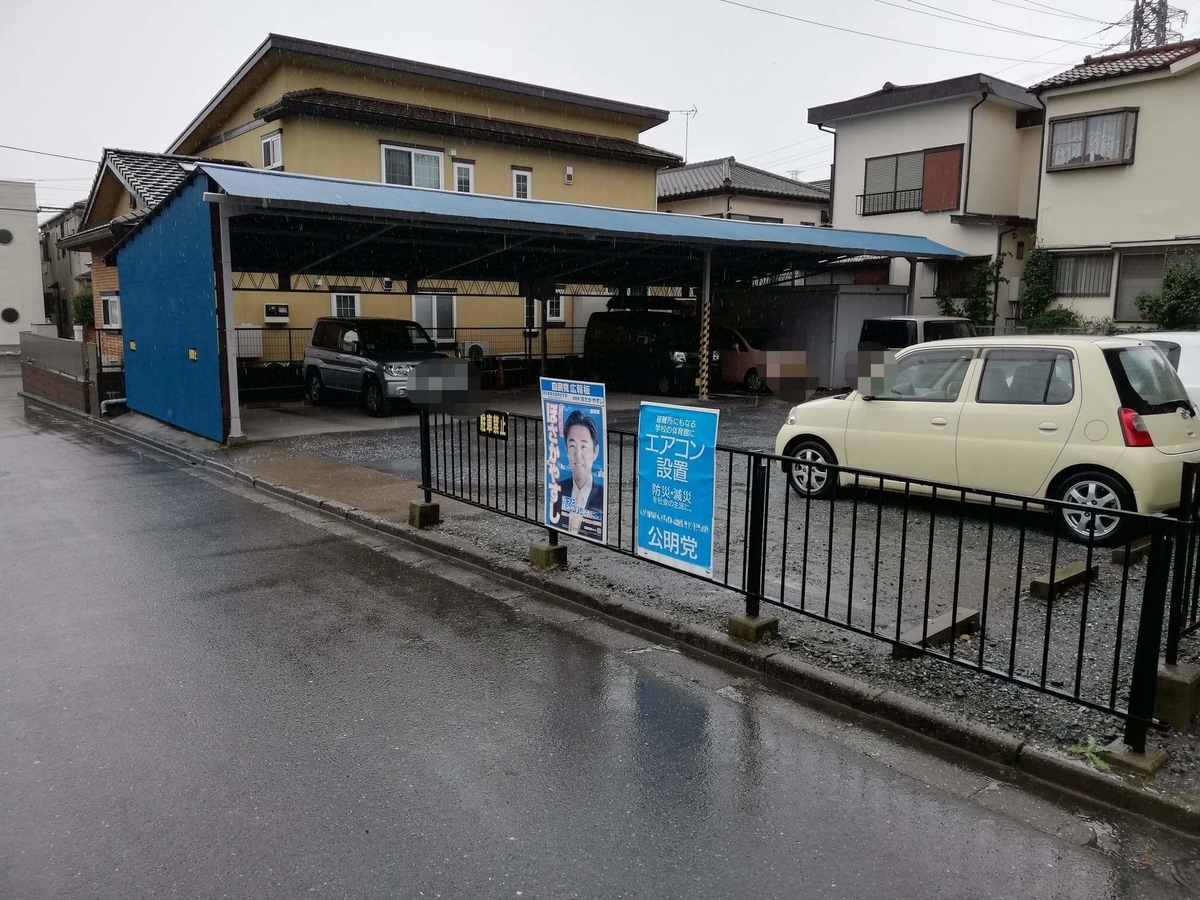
x=1145, y=381
x=888, y=334
x=944, y=331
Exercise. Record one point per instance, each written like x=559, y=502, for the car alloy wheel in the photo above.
x=1098, y=495
x=754, y=382
x=314, y=389
x=808, y=474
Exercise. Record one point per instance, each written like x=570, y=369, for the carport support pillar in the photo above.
x=910, y=302
x=231, y=356
x=705, y=323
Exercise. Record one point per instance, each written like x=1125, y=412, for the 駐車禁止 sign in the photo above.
x=573, y=413
x=676, y=473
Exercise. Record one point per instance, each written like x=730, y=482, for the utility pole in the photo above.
x=1150, y=24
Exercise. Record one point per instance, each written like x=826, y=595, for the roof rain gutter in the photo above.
x=832, y=167
x=971, y=151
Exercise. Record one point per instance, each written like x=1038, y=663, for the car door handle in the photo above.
x=938, y=421
x=1048, y=426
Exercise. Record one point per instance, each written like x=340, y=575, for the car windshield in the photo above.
x=889, y=334
x=1145, y=381
x=944, y=331
x=380, y=340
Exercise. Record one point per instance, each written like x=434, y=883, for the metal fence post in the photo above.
x=1187, y=489
x=426, y=457
x=757, y=537
x=1144, y=683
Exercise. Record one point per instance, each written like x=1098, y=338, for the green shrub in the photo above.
x=1038, y=279
x=977, y=301
x=1054, y=320
x=1177, y=305
x=82, y=311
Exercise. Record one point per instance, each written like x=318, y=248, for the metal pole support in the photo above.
x=1179, y=579
x=755, y=557
x=426, y=458
x=705, y=324
x=542, y=310
x=1144, y=684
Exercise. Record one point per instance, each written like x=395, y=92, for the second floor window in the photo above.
x=1105, y=139
x=415, y=168
x=522, y=184
x=110, y=309
x=272, y=151
x=924, y=180
x=464, y=177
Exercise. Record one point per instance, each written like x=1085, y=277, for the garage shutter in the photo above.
x=943, y=170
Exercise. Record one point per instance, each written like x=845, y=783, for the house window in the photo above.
x=1083, y=275
x=272, y=151
x=1104, y=139
x=436, y=313
x=924, y=180
x=415, y=168
x=110, y=309
x=954, y=278
x=345, y=304
x=1137, y=272
x=522, y=183
x=554, y=308
x=531, y=316
x=464, y=177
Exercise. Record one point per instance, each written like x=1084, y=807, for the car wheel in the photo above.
x=665, y=385
x=812, y=479
x=316, y=389
x=374, y=399
x=753, y=382
x=1105, y=494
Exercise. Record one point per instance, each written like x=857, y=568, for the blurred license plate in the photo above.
x=697, y=382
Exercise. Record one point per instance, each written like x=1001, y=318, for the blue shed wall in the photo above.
x=168, y=307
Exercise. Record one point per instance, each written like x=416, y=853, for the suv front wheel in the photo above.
x=374, y=398
x=1105, y=499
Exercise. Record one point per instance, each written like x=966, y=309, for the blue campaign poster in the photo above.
x=676, y=476
x=574, y=416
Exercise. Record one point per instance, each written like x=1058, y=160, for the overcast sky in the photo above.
x=79, y=76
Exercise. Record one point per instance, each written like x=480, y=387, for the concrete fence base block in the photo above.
x=939, y=631
x=544, y=555
x=423, y=515
x=752, y=628
x=1120, y=755
x=1138, y=550
x=1177, y=698
x=1065, y=577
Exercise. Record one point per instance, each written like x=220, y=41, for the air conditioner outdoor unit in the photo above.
x=473, y=350
x=249, y=342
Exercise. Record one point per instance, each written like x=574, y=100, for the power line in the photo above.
x=784, y=147
x=1049, y=11
x=796, y=156
x=961, y=19
x=868, y=34
x=1042, y=57
x=44, y=153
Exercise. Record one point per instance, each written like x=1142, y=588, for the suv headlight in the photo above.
x=397, y=370
x=716, y=356
x=678, y=356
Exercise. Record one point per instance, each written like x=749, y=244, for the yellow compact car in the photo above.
x=1099, y=421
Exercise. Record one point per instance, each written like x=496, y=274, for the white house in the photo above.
x=954, y=161
x=1119, y=185
x=20, y=262
x=728, y=189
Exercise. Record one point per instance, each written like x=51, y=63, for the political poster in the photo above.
x=676, y=474
x=575, y=420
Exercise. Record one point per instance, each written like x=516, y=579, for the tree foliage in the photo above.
x=82, y=311
x=977, y=301
x=1038, y=278
x=1177, y=305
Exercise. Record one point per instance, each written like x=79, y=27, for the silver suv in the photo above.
x=367, y=358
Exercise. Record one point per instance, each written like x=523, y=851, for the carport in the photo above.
x=177, y=267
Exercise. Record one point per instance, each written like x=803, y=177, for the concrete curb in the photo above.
x=992, y=745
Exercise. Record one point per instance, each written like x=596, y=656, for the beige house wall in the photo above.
x=1157, y=197
x=997, y=174
x=797, y=213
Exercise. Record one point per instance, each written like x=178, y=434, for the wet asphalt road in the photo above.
x=206, y=697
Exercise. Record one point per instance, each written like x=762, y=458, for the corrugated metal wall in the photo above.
x=168, y=303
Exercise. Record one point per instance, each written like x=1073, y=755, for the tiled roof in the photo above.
x=321, y=103
x=720, y=175
x=151, y=176
x=1137, y=62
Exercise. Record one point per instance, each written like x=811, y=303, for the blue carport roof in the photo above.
x=281, y=190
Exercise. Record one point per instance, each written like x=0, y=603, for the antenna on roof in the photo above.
x=688, y=115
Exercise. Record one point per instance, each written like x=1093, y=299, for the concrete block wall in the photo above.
x=55, y=386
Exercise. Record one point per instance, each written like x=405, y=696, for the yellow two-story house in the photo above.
x=313, y=108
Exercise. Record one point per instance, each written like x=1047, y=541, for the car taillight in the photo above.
x=1134, y=429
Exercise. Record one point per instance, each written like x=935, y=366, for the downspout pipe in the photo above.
x=971, y=152
x=832, y=168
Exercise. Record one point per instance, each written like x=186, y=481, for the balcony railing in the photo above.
x=889, y=202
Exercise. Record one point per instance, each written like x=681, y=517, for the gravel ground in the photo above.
x=925, y=568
